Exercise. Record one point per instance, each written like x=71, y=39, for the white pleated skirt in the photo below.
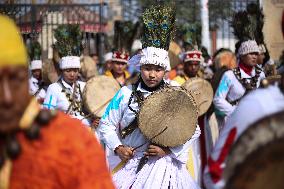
x=163, y=173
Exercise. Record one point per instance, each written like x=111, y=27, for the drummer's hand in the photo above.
x=40, y=100
x=124, y=152
x=96, y=123
x=154, y=150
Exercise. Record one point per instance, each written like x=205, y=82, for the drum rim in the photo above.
x=167, y=89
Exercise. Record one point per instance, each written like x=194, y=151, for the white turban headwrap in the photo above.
x=152, y=55
x=36, y=65
x=69, y=62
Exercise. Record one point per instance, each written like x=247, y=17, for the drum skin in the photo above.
x=50, y=71
x=98, y=93
x=168, y=117
x=202, y=93
x=88, y=68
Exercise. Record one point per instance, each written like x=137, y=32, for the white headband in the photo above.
x=36, y=65
x=69, y=62
x=247, y=47
x=152, y=55
x=108, y=56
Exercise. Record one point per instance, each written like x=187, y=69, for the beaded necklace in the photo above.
x=75, y=104
x=245, y=81
x=139, y=96
x=30, y=124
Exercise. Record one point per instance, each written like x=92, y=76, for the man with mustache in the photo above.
x=40, y=148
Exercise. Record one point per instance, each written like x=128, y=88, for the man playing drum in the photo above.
x=151, y=165
x=192, y=60
x=66, y=93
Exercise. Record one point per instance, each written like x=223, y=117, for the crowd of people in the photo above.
x=48, y=139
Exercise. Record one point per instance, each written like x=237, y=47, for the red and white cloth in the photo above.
x=193, y=55
x=120, y=57
x=253, y=107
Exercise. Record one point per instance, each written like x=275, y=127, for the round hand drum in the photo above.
x=202, y=93
x=168, y=117
x=88, y=67
x=49, y=72
x=98, y=93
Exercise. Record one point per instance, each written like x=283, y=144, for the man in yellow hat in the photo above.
x=40, y=148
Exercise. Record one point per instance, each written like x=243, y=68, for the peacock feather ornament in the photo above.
x=124, y=35
x=248, y=24
x=68, y=40
x=158, y=26
x=34, y=50
x=191, y=35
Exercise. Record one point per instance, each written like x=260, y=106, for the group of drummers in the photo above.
x=160, y=127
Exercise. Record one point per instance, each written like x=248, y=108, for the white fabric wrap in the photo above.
x=152, y=55
x=270, y=62
x=136, y=45
x=69, y=62
x=262, y=48
x=36, y=65
x=247, y=47
x=108, y=56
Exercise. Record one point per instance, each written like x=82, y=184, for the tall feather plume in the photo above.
x=124, y=35
x=257, y=19
x=241, y=25
x=68, y=40
x=248, y=24
x=191, y=35
x=158, y=26
x=34, y=50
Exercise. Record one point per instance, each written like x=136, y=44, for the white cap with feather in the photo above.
x=158, y=31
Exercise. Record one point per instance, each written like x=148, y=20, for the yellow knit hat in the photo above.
x=12, y=48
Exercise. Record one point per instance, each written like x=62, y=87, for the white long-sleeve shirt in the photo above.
x=34, y=88
x=256, y=105
x=230, y=90
x=56, y=98
x=119, y=116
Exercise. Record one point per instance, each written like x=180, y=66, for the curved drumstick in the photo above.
x=123, y=162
